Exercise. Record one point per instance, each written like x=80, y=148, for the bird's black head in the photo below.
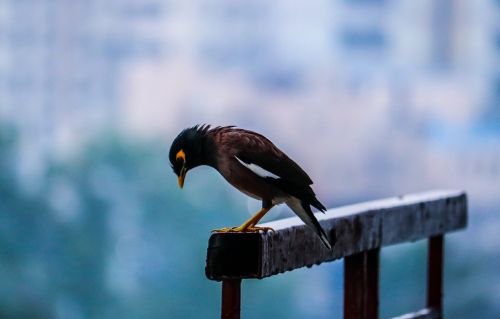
x=187, y=150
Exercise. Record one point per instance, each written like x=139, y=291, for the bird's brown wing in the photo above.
x=253, y=148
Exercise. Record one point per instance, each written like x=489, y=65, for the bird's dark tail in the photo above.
x=317, y=204
x=303, y=210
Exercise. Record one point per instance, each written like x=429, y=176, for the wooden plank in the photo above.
x=354, y=228
x=426, y=313
x=231, y=299
x=361, y=277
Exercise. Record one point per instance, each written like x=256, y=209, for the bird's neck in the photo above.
x=208, y=151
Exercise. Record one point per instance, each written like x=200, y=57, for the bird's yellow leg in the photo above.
x=249, y=225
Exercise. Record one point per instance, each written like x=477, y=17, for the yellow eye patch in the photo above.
x=180, y=154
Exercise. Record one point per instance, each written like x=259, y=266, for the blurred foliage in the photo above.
x=111, y=236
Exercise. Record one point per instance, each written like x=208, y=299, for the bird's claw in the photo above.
x=224, y=230
x=239, y=229
x=256, y=229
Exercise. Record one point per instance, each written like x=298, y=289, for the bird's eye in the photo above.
x=180, y=156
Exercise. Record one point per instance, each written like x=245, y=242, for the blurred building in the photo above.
x=491, y=117
x=69, y=69
x=61, y=63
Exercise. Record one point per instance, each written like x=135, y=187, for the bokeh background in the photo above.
x=374, y=98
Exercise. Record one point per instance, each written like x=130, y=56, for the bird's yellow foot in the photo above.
x=240, y=229
x=224, y=230
x=256, y=229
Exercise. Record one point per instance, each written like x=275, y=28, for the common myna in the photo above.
x=252, y=164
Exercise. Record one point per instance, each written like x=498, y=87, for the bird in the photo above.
x=252, y=164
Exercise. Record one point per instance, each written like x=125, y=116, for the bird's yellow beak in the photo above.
x=181, y=156
x=182, y=176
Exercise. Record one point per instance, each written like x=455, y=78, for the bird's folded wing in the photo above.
x=261, y=156
x=255, y=149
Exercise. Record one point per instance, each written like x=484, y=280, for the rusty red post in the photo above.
x=435, y=273
x=361, y=278
x=231, y=299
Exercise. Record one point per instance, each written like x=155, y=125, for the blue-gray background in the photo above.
x=373, y=98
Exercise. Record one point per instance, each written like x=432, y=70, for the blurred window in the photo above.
x=497, y=39
x=363, y=39
x=366, y=1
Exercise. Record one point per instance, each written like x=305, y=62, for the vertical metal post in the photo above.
x=361, y=280
x=231, y=299
x=435, y=273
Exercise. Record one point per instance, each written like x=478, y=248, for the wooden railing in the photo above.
x=359, y=231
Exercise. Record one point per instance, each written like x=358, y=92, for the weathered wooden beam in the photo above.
x=426, y=313
x=354, y=228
